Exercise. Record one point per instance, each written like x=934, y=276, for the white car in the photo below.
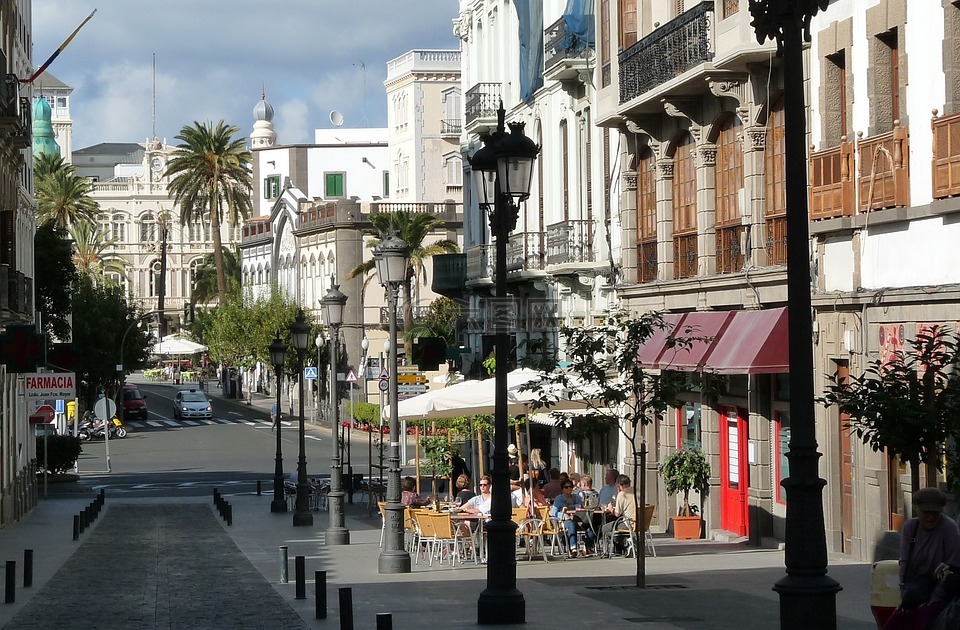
x=191, y=403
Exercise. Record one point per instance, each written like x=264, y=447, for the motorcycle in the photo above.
x=93, y=429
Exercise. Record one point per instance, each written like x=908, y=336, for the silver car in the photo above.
x=191, y=403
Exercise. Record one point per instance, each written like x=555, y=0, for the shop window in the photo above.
x=689, y=425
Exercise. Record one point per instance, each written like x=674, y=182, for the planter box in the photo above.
x=686, y=527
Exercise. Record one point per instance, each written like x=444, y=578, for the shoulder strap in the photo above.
x=912, y=541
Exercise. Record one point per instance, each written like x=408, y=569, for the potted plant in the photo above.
x=683, y=471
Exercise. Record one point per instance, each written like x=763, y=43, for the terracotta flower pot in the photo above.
x=686, y=527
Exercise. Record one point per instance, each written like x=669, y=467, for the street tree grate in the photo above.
x=649, y=587
x=661, y=619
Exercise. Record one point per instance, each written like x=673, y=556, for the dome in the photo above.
x=263, y=111
x=263, y=134
x=44, y=139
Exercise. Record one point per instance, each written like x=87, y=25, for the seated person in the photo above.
x=564, y=507
x=409, y=496
x=624, y=506
x=480, y=504
x=608, y=493
x=929, y=554
x=591, y=498
x=464, y=492
x=553, y=488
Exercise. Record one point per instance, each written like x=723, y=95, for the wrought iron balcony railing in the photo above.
x=564, y=54
x=681, y=44
x=481, y=103
x=451, y=127
x=525, y=251
x=481, y=260
x=570, y=242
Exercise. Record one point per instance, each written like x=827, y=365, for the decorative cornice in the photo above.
x=708, y=155
x=756, y=139
x=665, y=168
x=630, y=180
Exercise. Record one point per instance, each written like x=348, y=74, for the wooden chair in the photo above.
x=426, y=536
x=449, y=539
x=552, y=529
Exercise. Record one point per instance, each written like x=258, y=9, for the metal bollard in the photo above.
x=76, y=527
x=83, y=520
x=384, y=621
x=11, y=582
x=103, y=496
x=320, y=592
x=284, y=563
x=300, y=567
x=346, y=608
x=258, y=487
x=27, y=568
x=229, y=514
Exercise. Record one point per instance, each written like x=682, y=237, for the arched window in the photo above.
x=453, y=172
x=729, y=183
x=103, y=224
x=195, y=265
x=154, y=278
x=646, y=216
x=118, y=227
x=148, y=228
x=565, y=168
x=775, y=202
x=197, y=231
x=684, y=208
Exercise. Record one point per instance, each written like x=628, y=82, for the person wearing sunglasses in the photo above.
x=564, y=509
x=480, y=504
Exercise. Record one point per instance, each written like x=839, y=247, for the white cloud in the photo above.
x=291, y=123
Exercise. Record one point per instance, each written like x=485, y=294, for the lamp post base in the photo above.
x=337, y=536
x=278, y=505
x=807, y=601
x=394, y=562
x=302, y=519
x=501, y=607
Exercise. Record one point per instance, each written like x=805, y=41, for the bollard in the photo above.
x=229, y=514
x=27, y=568
x=11, y=583
x=83, y=520
x=346, y=608
x=76, y=527
x=384, y=621
x=300, y=567
x=103, y=496
x=284, y=562
x=320, y=592
x=258, y=487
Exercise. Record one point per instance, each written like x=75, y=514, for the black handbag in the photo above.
x=916, y=591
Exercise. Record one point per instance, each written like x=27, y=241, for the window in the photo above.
x=118, y=227
x=271, y=187
x=888, y=80
x=684, y=209
x=197, y=233
x=775, y=203
x=453, y=111
x=148, y=228
x=587, y=161
x=453, y=171
x=565, y=169
x=689, y=426
x=628, y=23
x=782, y=446
x=61, y=101
x=729, y=183
x=835, y=98
x=647, y=217
x=678, y=7
x=333, y=185
x=730, y=7
x=155, y=278
x=605, y=43
x=386, y=184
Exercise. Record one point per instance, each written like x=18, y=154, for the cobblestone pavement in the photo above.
x=177, y=568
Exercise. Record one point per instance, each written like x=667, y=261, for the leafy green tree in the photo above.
x=63, y=197
x=440, y=321
x=54, y=279
x=210, y=178
x=909, y=406
x=616, y=391
x=205, y=280
x=101, y=318
x=91, y=255
x=414, y=228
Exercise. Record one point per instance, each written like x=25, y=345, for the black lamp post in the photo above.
x=392, y=258
x=332, y=304
x=807, y=593
x=300, y=333
x=503, y=172
x=278, y=354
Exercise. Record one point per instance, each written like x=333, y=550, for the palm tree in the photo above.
x=209, y=175
x=414, y=228
x=205, y=280
x=90, y=254
x=63, y=197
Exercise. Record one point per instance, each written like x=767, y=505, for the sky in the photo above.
x=212, y=57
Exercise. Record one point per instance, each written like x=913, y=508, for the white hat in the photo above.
x=512, y=449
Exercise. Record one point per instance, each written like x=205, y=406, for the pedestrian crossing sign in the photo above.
x=309, y=372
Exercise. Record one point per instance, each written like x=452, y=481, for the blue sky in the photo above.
x=312, y=57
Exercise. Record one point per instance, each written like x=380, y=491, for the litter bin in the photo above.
x=232, y=384
x=884, y=590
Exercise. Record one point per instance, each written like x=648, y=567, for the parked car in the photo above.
x=134, y=403
x=191, y=403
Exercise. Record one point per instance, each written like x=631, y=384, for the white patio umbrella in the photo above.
x=177, y=346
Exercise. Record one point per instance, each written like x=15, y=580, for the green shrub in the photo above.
x=63, y=453
x=365, y=412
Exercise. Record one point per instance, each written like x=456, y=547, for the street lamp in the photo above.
x=807, y=594
x=332, y=304
x=300, y=333
x=278, y=354
x=392, y=258
x=503, y=173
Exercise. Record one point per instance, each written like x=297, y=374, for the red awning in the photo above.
x=755, y=342
x=704, y=327
x=655, y=345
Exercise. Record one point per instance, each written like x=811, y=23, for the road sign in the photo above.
x=59, y=405
x=384, y=374
x=309, y=373
x=105, y=408
x=411, y=379
x=384, y=385
x=50, y=385
x=42, y=415
x=412, y=389
x=351, y=377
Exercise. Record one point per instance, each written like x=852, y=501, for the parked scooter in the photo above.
x=92, y=428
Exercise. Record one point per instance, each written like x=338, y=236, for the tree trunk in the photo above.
x=407, y=321
x=640, y=512
x=218, y=250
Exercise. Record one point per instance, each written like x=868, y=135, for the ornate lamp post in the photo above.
x=807, y=593
x=278, y=354
x=300, y=333
x=392, y=258
x=332, y=304
x=503, y=172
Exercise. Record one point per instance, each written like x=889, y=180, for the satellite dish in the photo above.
x=336, y=118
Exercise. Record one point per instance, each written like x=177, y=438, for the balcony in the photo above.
x=451, y=127
x=680, y=45
x=565, y=56
x=525, y=252
x=884, y=180
x=480, y=264
x=419, y=314
x=570, y=242
x=946, y=156
x=449, y=211
x=449, y=274
x=482, y=101
x=831, y=182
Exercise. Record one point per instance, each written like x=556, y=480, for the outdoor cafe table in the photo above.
x=470, y=518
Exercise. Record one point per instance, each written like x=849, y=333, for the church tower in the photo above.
x=57, y=95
